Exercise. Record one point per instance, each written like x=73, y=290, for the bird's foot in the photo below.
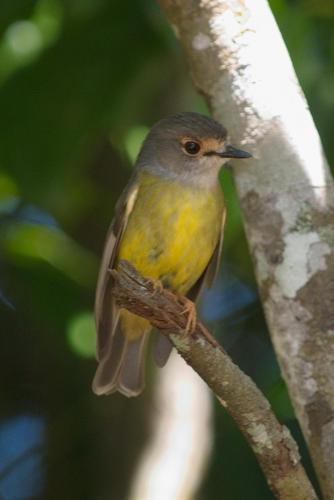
x=157, y=287
x=190, y=311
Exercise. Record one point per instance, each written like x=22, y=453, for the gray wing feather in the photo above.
x=106, y=312
x=122, y=367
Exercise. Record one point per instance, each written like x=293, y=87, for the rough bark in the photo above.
x=239, y=62
x=271, y=442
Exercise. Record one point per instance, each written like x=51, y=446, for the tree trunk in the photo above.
x=240, y=64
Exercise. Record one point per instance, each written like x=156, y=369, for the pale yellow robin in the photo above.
x=169, y=224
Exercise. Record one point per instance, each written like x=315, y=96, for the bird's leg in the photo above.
x=157, y=287
x=190, y=310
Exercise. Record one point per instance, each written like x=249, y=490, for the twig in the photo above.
x=271, y=442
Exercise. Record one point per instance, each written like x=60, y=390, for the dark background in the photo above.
x=80, y=83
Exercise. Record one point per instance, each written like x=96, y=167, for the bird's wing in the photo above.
x=106, y=313
x=209, y=275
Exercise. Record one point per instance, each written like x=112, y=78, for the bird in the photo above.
x=169, y=224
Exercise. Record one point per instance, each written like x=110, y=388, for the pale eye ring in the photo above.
x=192, y=147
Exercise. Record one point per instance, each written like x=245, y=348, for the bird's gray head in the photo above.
x=189, y=147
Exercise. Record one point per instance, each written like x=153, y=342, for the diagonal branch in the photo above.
x=271, y=442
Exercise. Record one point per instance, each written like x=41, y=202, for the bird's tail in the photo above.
x=121, y=367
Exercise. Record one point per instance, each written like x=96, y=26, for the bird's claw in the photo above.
x=157, y=287
x=190, y=310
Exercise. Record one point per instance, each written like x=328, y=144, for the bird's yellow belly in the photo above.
x=172, y=231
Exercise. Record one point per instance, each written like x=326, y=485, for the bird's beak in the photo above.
x=232, y=152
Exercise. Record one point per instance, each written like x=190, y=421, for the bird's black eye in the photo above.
x=192, y=147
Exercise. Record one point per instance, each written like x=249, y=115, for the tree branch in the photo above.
x=240, y=64
x=271, y=442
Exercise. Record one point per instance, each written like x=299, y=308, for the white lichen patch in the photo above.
x=201, y=42
x=296, y=215
x=291, y=339
x=292, y=445
x=200, y=341
x=303, y=256
x=317, y=254
x=309, y=384
x=222, y=402
x=260, y=437
x=262, y=266
x=181, y=343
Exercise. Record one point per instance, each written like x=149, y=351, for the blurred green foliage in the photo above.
x=81, y=81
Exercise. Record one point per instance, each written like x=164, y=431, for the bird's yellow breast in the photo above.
x=172, y=231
